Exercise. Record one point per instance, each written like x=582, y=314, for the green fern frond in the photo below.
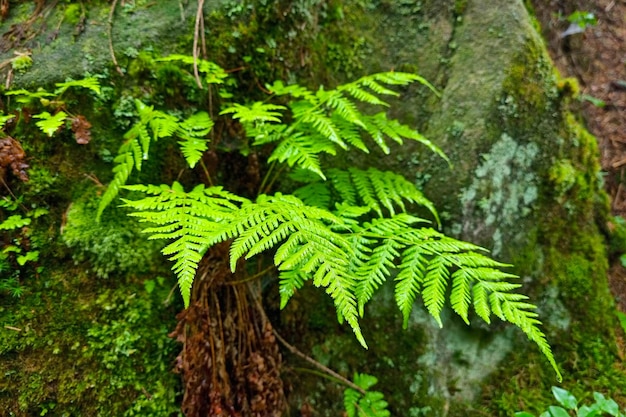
x=377, y=189
x=409, y=281
x=356, y=91
x=435, y=286
x=192, y=133
x=345, y=108
x=302, y=151
x=152, y=126
x=370, y=404
x=213, y=73
x=49, y=124
x=258, y=112
x=88, y=83
x=322, y=124
x=293, y=90
x=124, y=163
x=315, y=194
x=289, y=282
x=372, y=273
x=190, y=219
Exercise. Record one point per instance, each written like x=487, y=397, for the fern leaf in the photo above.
x=315, y=194
x=374, y=271
x=481, y=302
x=289, y=282
x=294, y=90
x=258, y=112
x=355, y=90
x=375, y=188
x=435, y=285
x=191, y=219
x=365, y=189
x=324, y=125
x=5, y=118
x=49, y=124
x=460, y=296
x=349, y=132
x=90, y=83
x=302, y=151
x=124, y=166
x=409, y=281
x=370, y=404
x=214, y=74
x=192, y=133
x=345, y=108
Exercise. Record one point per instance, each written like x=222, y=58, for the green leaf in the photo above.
x=565, y=398
x=258, y=112
x=607, y=405
x=523, y=414
x=14, y=222
x=586, y=411
x=49, y=124
x=29, y=256
x=192, y=133
x=89, y=83
x=558, y=411
x=5, y=118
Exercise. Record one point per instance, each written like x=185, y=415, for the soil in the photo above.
x=596, y=57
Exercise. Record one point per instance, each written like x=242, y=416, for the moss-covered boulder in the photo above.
x=89, y=334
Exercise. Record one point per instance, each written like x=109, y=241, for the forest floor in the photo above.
x=596, y=57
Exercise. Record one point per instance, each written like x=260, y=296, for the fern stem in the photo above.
x=320, y=374
x=266, y=177
x=206, y=172
x=273, y=180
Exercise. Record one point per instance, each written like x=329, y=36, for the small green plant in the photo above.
x=579, y=22
x=55, y=114
x=17, y=250
x=367, y=403
x=568, y=406
x=582, y=19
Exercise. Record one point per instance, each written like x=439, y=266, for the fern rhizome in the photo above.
x=344, y=230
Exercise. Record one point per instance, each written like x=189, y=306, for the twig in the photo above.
x=318, y=365
x=302, y=355
x=109, y=30
x=199, y=17
x=17, y=329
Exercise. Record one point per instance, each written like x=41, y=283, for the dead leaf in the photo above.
x=12, y=156
x=80, y=127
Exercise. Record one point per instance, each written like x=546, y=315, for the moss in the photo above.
x=73, y=13
x=114, y=246
x=84, y=349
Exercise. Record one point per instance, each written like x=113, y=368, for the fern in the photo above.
x=88, y=83
x=49, y=124
x=152, y=126
x=189, y=218
x=347, y=231
x=213, y=73
x=332, y=119
x=192, y=133
x=4, y=118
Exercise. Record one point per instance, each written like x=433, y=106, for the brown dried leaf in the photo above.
x=12, y=156
x=80, y=127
